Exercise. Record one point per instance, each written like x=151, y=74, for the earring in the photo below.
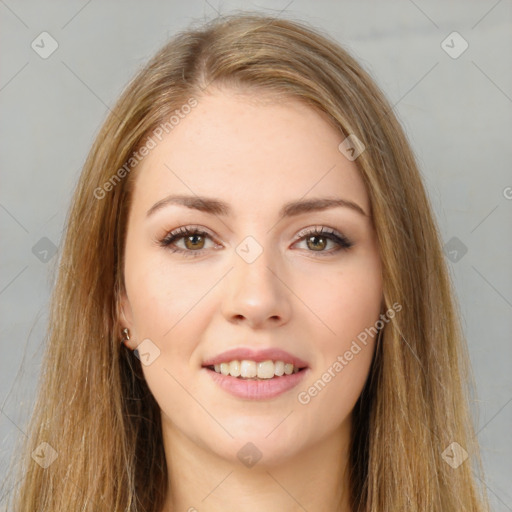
x=126, y=335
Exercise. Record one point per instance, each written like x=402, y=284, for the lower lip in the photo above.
x=257, y=389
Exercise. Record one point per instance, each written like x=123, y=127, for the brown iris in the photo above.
x=321, y=246
x=193, y=240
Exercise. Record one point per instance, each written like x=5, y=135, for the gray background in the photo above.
x=457, y=112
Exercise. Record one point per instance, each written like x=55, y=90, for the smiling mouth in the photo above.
x=252, y=370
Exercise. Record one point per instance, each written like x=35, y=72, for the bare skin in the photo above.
x=306, y=295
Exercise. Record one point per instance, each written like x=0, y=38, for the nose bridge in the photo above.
x=254, y=292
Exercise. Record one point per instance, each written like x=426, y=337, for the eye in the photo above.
x=194, y=240
x=317, y=240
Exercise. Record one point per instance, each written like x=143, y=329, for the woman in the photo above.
x=253, y=311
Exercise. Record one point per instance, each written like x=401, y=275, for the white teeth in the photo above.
x=247, y=369
x=279, y=368
x=265, y=370
x=234, y=368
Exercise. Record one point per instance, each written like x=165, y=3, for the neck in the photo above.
x=313, y=479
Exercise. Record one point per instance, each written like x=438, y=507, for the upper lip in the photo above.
x=249, y=354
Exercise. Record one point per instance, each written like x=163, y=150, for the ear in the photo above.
x=125, y=319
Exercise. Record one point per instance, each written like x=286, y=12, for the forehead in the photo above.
x=253, y=151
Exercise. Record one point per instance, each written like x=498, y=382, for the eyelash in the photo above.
x=343, y=242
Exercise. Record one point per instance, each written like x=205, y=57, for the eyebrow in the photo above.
x=218, y=207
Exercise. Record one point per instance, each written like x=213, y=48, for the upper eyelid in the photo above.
x=184, y=231
x=318, y=228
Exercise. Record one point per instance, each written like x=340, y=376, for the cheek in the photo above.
x=162, y=298
x=168, y=306
x=346, y=299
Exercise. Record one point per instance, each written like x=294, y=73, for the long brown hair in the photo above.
x=94, y=407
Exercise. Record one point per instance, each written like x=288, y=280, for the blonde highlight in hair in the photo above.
x=94, y=406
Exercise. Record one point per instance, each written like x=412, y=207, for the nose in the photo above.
x=256, y=293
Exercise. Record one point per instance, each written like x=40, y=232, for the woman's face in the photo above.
x=255, y=289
